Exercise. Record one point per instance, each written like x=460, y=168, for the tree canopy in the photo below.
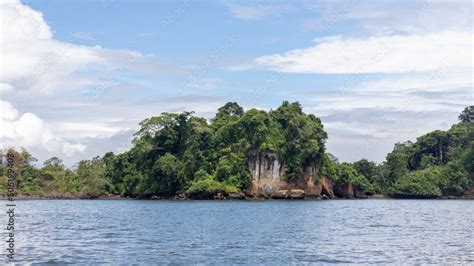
x=180, y=152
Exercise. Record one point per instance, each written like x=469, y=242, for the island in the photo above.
x=251, y=154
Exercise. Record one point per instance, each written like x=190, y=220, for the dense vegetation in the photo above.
x=177, y=153
x=438, y=163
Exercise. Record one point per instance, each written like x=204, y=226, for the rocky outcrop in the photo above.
x=296, y=194
x=314, y=184
x=266, y=187
x=344, y=191
x=280, y=194
x=265, y=166
x=267, y=174
x=267, y=180
x=289, y=194
x=348, y=191
x=236, y=196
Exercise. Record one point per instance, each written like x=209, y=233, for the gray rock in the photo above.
x=280, y=194
x=237, y=196
x=297, y=194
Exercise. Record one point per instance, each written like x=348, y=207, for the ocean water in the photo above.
x=242, y=232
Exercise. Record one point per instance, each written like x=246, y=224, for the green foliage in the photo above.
x=174, y=153
x=468, y=158
x=120, y=171
x=304, y=138
x=467, y=115
x=231, y=111
x=418, y=184
x=206, y=188
x=373, y=174
x=427, y=161
x=91, y=175
x=367, y=169
x=347, y=174
x=439, y=163
x=454, y=178
x=233, y=170
x=166, y=178
x=434, y=144
x=397, y=162
x=329, y=166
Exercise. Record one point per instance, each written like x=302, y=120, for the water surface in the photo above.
x=218, y=232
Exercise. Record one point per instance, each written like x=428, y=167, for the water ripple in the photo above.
x=240, y=232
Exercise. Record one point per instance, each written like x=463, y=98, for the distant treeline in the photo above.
x=175, y=153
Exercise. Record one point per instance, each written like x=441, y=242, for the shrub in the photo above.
x=418, y=184
x=207, y=188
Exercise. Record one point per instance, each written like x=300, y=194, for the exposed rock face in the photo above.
x=345, y=191
x=267, y=180
x=267, y=173
x=265, y=166
x=348, y=191
x=289, y=194
x=236, y=196
x=315, y=185
x=280, y=194
x=297, y=194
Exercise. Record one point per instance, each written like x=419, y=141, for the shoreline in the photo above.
x=177, y=198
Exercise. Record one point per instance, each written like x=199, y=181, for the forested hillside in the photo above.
x=182, y=153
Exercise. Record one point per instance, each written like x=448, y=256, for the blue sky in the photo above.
x=78, y=76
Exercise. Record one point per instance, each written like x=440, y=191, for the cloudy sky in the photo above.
x=76, y=77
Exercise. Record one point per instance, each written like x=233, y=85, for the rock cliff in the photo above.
x=267, y=174
x=268, y=180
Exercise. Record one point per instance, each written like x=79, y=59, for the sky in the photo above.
x=76, y=77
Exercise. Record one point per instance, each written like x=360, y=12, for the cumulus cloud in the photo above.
x=39, y=71
x=405, y=70
x=377, y=54
x=371, y=132
x=366, y=119
x=49, y=65
x=29, y=131
x=40, y=65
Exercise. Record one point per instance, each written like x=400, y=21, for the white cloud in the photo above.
x=38, y=71
x=424, y=52
x=4, y=88
x=381, y=17
x=365, y=120
x=408, y=93
x=380, y=54
x=79, y=130
x=258, y=11
x=45, y=62
x=372, y=132
x=441, y=79
x=418, y=16
x=203, y=83
x=49, y=65
x=29, y=131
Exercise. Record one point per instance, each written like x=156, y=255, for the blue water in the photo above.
x=231, y=232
